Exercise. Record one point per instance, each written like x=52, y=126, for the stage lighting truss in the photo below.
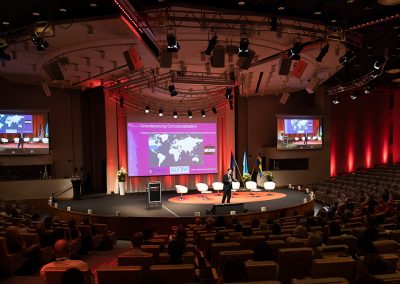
x=362, y=81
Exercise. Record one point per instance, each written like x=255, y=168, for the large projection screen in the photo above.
x=156, y=149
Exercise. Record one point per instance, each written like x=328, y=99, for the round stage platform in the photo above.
x=134, y=204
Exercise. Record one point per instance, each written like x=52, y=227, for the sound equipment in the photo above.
x=285, y=64
x=226, y=208
x=165, y=59
x=245, y=62
x=132, y=58
x=54, y=70
x=218, y=57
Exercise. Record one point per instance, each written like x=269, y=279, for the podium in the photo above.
x=154, y=194
x=76, y=186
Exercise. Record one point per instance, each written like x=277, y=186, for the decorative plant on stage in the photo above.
x=269, y=176
x=246, y=177
x=121, y=175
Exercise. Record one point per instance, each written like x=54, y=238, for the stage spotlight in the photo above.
x=336, y=100
x=160, y=112
x=367, y=89
x=4, y=56
x=347, y=57
x=322, y=53
x=175, y=114
x=273, y=23
x=121, y=101
x=294, y=52
x=172, y=44
x=243, y=47
x=214, y=110
x=203, y=113
x=147, y=109
x=190, y=115
x=40, y=43
x=228, y=93
x=355, y=95
x=172, y=90
x=211, y=44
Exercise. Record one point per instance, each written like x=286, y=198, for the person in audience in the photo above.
x=263, y=226
x=87, y=221
x=263, y=251
x=234, y=270
x=181, y=233
x=255, y=224
x=314, y=240
x=136, y=241
x=62, y=253
x=176, y=249
x=220, y=221
x=198, y=221
x=210, y=225
x=219, y=237
x=45, y=236
x=73, y=276
x=75, y=233
x=276, y=229
x=247, y=231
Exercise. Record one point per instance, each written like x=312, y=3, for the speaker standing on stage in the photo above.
x=227, y=180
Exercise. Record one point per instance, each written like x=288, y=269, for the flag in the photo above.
x=259, y=165
x=232, y=166
x=245, y=168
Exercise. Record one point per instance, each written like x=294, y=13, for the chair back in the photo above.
x=54, y=275
x=251, y=185
x=329, y=280
x=224, y=255
x=145, y=261
x=188, y=257
x=181, y=189
x=236, y=185
x=201, y=186
x=119, y=274
x=173, y=273
x=250, y=242
x=387, y=246
x=294, y=263
x=333, y=267
x=261, y=270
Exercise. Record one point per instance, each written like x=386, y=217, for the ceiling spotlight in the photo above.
x=355, y=95
x=211, y=44
x=63, y=10
x=294, y=52
x=367, y=89
x=379, y=63
x=243, y=47
x=203, y=113
x=322, y=53
x=147, y=109
x=172, y=43
x=228, y=93
x=175, y=114
x=36, y=13
x=5, y=22
x=172, y=90
x=241, y=3
x=273, y=23
x=214, y=110
x=336, y=100
x=40, y=43
x=160, y=112
x=281, y=5
x=347, y=57
x=333, y=21
x=190, y=115
x=4, y=56
x=93, y=5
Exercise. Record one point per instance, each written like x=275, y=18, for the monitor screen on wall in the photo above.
x=299, y=132
x=171, y=148
x=24, y=133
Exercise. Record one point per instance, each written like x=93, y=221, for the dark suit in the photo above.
x=227, y=181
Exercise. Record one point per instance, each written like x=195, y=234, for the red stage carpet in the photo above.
x=238, y=197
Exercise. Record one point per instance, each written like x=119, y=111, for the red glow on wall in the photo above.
x=128, y=24
x=368, y=156
x=385, y=153
x=350, y=160
x=333, y=162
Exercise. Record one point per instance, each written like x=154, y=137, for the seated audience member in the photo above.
x=88, y=222
x=75, y=233
x=263, y=226
x=247, y=231
x=263, y=251
x=45, y=236
x=73, y=276
x=276, y=229
x=176, y=249
x=148, y=234
x=299, y=232
x=210, y=224
x=136, y=241
x=255, y=224
x=314, y=240
x=220, y=221
x=234, y=271
x=62, y=254
x=198, y=221
x=181, y=233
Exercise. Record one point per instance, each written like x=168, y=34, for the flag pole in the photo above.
x=240, y=174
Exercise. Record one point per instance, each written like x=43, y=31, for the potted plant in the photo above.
x=246, y=177
x=121, y=174
x=270, y=183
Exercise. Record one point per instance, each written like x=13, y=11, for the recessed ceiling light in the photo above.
x=350, y=1
x=333, y=21
x=318, y=12
x=241, y=3
x=63, y=10
x=281, y=8
x=6, y=23
x=93, y=5
x=35, y=13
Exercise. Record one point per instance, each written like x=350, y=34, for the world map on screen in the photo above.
x=14, y=123
x=168, y=150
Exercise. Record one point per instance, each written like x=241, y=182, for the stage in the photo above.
x=134, y=204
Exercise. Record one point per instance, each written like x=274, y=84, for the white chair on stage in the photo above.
x=218, y=186
x=203, y=188
x=45, y=140
x=269, y=185
x=26, y=139
x=16, y=140
x=252, y=186
x=4, y=140
x=35, y=139
x=235, y=187
x=181, y=189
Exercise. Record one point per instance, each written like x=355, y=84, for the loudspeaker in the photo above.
x=53, y=70
x=226, y=208
x=218, y=57
x=245, y=62
x=299, y=69
x=312, y=85
x=284, y=67
x=166, y=59
x=132, y=58
x=46, y=89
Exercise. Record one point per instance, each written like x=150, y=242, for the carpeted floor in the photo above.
x=134, y=205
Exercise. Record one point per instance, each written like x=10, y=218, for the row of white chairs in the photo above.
x=27, y=140
x=217, y=186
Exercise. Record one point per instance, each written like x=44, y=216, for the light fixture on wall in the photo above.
x=147, y=109
x=190, y=115
x=175, y=114
x=203, y=113
x=214, y=110
x=160, y=112
x=336, y=100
